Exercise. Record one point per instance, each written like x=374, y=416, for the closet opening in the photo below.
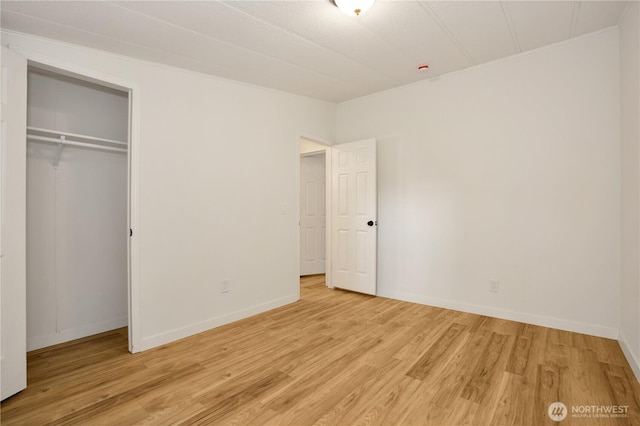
x=78, y=207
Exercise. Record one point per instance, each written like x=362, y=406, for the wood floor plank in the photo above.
x=357, y=402
x=583, y=381
x=486, y=372
x=218, y=406
x=622, y=392
x=516, y=392
x=519, y=357
x=439, y=391
x=390, y=408
x=438, y=353
x=333, y=358
x=425, y=335
x=308, y=410
x=324, y=372
x=113, y=403
x=549, y=389
x=255, y=414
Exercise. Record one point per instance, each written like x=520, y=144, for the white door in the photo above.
x=13, y=218
x=354, y=216
x=313, y=226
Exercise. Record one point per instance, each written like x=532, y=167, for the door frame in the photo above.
x=133, y=158
x=326, y=148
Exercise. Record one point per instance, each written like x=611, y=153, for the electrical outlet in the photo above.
x=494, y=286
x=224, y=288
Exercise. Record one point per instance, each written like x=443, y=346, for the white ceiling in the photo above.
x=310, y=47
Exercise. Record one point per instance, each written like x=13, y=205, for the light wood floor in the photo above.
x=333, y=358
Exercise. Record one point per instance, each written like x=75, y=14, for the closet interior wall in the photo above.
x=76, y=212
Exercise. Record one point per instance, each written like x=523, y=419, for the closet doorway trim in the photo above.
x=41, y=61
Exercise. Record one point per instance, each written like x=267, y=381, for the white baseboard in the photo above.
x=66, y=335
x=559, y=323
x=631, y=357
x=190, y=330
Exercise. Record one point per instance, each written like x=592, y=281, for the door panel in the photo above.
x=312, y=214
x=13, y=218
x=353, y=216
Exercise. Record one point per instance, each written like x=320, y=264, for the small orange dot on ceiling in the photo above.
x=423, y=67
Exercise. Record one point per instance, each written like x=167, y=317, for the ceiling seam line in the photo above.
x=512, y=28
x=447, y=31
x=624, y=12
x=394, y=45
x=574, y=18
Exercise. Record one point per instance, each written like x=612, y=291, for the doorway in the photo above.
x=77, y=207
x=313, y=214
x=350, y=214
x=314, y=220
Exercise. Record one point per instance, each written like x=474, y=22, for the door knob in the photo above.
x=371, y=223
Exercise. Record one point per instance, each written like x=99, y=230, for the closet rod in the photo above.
x=74, y=143
x=77, y=135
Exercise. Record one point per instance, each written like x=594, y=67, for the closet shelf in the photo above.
x=61, y=139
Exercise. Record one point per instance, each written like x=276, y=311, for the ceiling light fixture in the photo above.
x=354, y=7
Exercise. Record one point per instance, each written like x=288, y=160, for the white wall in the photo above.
x=218, y=166
x=508, y=171
x=76, y=214
x=630, y=137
